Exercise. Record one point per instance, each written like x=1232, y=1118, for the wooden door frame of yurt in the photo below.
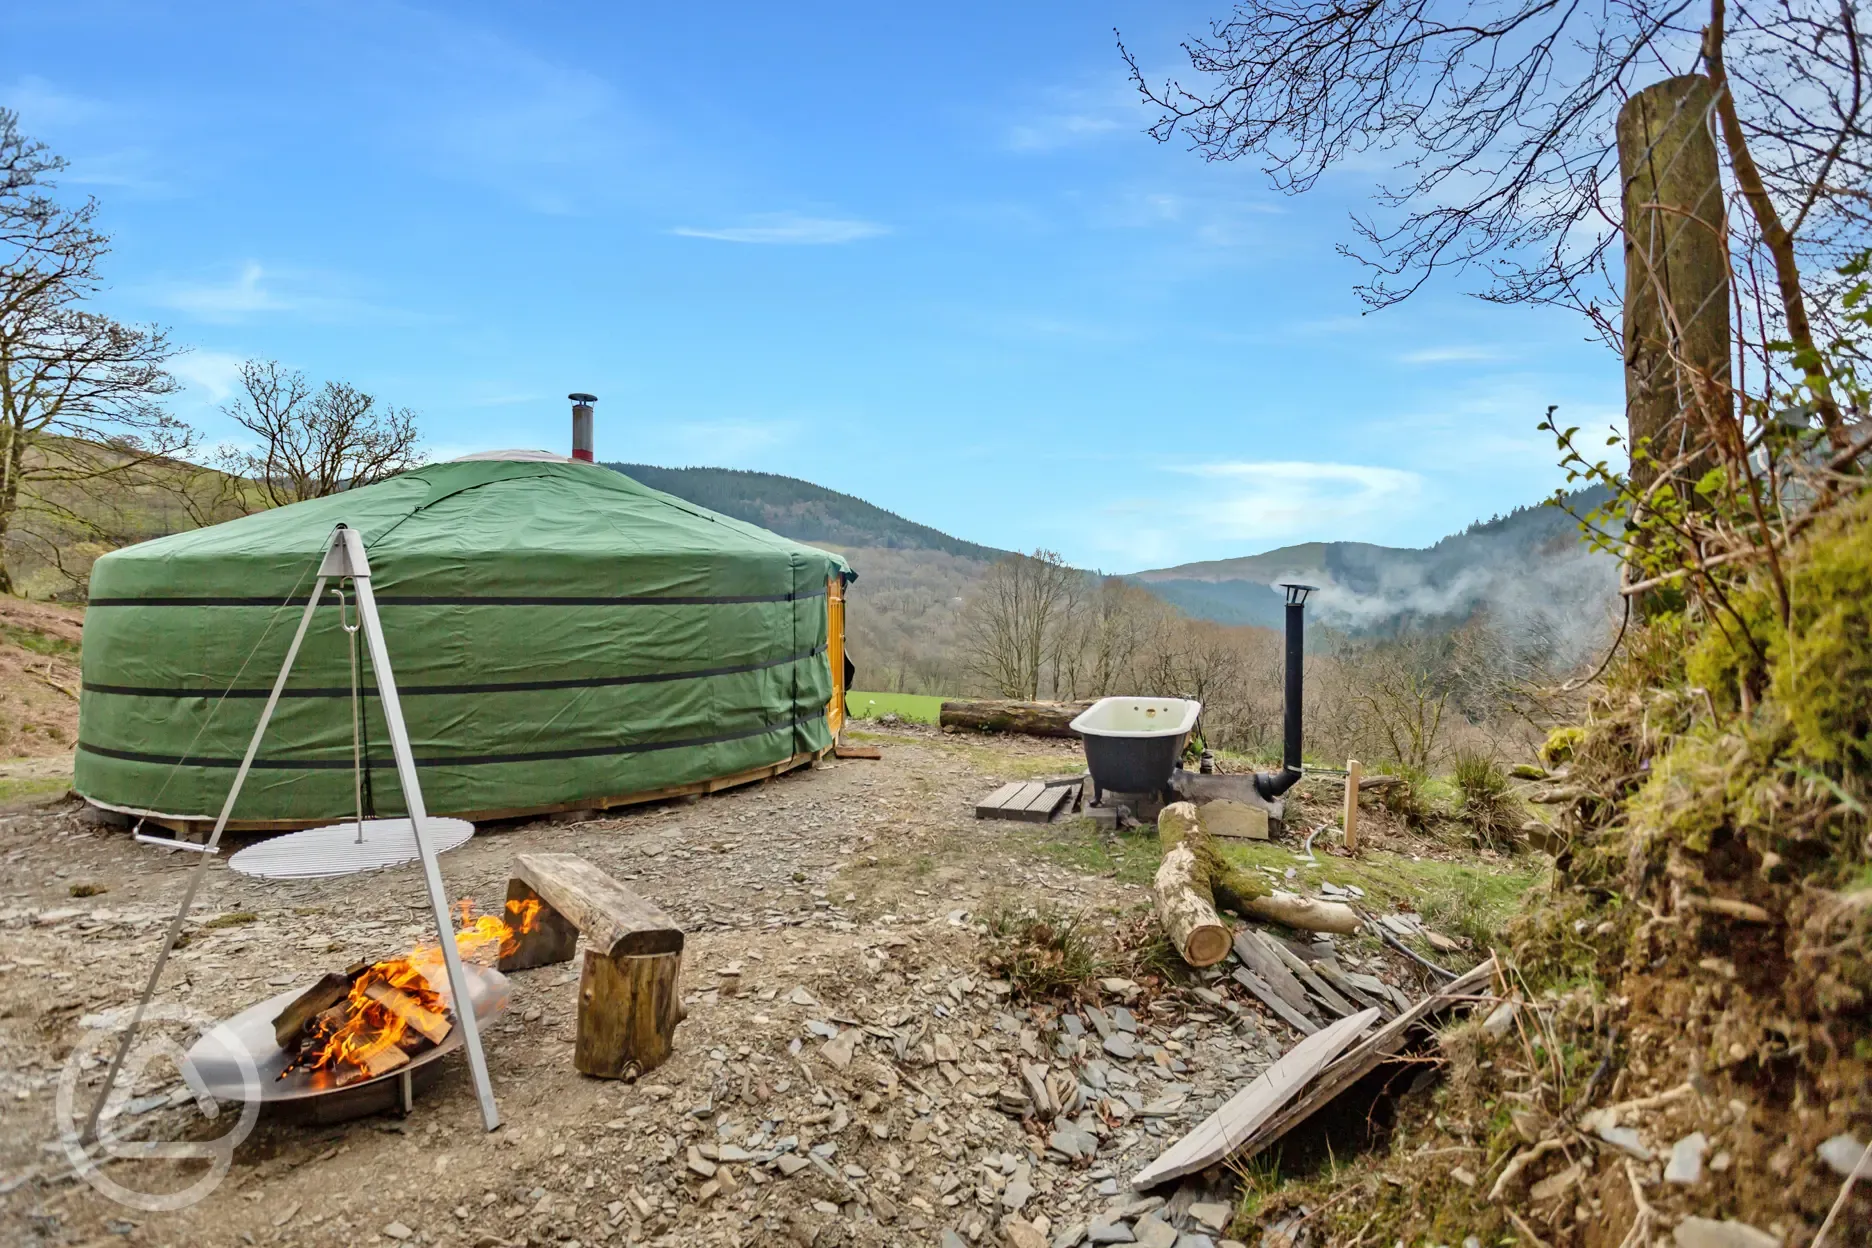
x=835, y=652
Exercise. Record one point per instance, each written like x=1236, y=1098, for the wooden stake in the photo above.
x=1676, y=315
x=628, y=1011
x=1353, y=770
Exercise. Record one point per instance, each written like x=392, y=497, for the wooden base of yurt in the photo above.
x=196, y=830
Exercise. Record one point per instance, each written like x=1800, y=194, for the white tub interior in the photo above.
x=1138, y=717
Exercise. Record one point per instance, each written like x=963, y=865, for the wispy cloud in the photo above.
x=41, y=104
x=1462, y=353
x=789, y=229
x=1063, y=117
x=1249, y=505
x=1057, y=130
x=247, y=293
x=214, y=373
x=257, y=290
x=1264, y=500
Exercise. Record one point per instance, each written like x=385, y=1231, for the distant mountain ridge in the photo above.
x=1527, y=566
x=1527, y=570
x=801, y=510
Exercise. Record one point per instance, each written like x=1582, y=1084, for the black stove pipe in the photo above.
x=1271, y=784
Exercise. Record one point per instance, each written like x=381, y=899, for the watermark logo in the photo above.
x=157, y=1042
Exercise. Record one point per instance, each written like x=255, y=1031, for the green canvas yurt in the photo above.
x=560, y=636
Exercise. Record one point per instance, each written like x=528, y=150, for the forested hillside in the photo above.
x=801, y=510
x=1527, y=567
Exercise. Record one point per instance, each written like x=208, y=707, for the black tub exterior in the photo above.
x=1132, y=764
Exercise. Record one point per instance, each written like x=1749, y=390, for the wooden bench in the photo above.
x=630, y=998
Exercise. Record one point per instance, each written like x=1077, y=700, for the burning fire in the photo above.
x=392, y=1006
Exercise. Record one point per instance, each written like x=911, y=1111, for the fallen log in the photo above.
x=1245, y=892
x=1186, y=908
x=1303, y=913
x=1034, y=719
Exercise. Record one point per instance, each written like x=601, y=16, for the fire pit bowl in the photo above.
x=1132, y=744
x=315, y=1096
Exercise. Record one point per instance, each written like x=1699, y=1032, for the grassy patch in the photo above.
x=1130, y=857
x=37, y=642
x=920, y=708
x=19, y=789
x=1464, y=899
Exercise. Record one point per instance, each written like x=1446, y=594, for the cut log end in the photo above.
x=1186, y=908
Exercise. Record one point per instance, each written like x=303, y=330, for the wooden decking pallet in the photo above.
x=1035, y=801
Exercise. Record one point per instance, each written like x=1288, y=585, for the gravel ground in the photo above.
x=847, y=1073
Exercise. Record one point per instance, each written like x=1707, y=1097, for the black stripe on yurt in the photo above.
x=439, y=600
x=418, y=691
x=466, y=760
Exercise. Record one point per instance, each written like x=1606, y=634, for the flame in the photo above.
x=368, y=1028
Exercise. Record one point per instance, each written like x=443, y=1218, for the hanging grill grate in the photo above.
x=346, y=848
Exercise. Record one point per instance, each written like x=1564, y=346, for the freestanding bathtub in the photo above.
x=1132, y=744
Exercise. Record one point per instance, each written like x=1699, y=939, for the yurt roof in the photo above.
x=554, y=518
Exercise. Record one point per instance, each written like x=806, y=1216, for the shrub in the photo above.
x=1042, y=951
x=1485, y=799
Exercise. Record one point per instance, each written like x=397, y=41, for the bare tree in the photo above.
x=1111, y=630
x=79, y=411
x=1498, y=117
x=1017, y=619
x=315, y=442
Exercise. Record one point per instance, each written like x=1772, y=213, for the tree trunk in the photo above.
x=1035, y=719
x=1186, y=908
x=628, y=1011
x=11, y=466
x=1676, y=322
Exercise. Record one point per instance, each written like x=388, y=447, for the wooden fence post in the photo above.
x=1676, y=316
x=1353, y=771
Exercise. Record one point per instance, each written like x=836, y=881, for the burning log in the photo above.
x=432, y=1026
x=380, y=1062
x=370, y=1019
x=295, y=1021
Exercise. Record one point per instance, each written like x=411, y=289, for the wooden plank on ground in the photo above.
x=990, y=807
x=1222, y=1132
x=1343, y=985
x=1360, y=1061
x=1252, y=948
x=1272, y=999
x=1326, y=996
x=857, y=751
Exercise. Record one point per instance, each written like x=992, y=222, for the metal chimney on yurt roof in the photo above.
x=582, y=425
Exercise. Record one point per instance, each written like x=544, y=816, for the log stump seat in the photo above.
x=629, y=995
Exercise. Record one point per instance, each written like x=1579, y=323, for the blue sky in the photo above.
x=922, y=254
